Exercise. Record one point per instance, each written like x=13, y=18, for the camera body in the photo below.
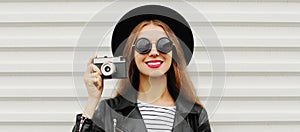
x=112, y=67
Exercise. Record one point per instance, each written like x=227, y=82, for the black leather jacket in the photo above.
x=120, y=115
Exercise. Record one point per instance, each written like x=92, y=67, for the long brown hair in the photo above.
x=178, y=79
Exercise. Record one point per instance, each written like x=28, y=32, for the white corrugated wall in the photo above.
x=261, y=41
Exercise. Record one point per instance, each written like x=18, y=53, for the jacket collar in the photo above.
x=128, y=102
x=127, y=107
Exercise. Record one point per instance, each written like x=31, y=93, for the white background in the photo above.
x=261, y=40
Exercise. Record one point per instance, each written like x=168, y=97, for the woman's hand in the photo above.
x=94, y=84
x=93, y=80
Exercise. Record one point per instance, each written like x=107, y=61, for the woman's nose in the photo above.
x=153, y=51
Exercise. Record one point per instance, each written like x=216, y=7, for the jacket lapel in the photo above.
x=184, y=107
x=130, y=117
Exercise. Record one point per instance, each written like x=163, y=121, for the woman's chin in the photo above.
x=155, y=73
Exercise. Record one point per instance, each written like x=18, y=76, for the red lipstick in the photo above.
x=154, y=63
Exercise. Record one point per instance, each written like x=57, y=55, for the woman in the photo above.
x=158, y=95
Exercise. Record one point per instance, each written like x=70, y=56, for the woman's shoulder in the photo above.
x=198, y=107
x=190, y=106
x=112, y=101
x=117, y=102
x=201, y=112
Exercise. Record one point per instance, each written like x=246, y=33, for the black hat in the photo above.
x=173, y=19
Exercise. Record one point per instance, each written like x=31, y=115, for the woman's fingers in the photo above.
x=93, y=68
x=91, y=60
x=93, y=79
x=99, y=84
x=90, y=74
x=95, y=74
x=93, y=82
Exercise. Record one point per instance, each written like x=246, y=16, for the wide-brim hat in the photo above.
x=173, y=19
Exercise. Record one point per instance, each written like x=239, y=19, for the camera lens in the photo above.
x=107, y=68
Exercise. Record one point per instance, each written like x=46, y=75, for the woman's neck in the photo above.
x=154, y=90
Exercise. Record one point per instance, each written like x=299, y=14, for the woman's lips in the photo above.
x=154, y=63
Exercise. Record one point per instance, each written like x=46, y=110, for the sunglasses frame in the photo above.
x=140, y=52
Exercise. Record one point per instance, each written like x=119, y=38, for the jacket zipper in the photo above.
x=115, y=124
x=81, y=123
x=116, y=128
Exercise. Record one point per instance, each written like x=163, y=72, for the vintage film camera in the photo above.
x=112, y=67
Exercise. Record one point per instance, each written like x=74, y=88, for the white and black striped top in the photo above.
x=157, y=118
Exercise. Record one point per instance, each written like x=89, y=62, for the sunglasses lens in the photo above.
x=143, y=45
x=164, y=45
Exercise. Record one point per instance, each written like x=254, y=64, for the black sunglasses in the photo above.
x=163, y=45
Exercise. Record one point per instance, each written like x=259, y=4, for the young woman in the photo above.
x=158, y=94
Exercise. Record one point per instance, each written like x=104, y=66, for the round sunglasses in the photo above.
x=163, y=45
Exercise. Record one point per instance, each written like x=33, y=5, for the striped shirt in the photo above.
x=157, y=118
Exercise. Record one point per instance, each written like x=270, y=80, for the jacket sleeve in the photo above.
x=204, y=125
x=87, y=125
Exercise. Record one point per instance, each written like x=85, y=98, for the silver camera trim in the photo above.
x=113, y=63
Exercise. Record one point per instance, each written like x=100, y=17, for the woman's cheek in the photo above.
x=139, y=62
